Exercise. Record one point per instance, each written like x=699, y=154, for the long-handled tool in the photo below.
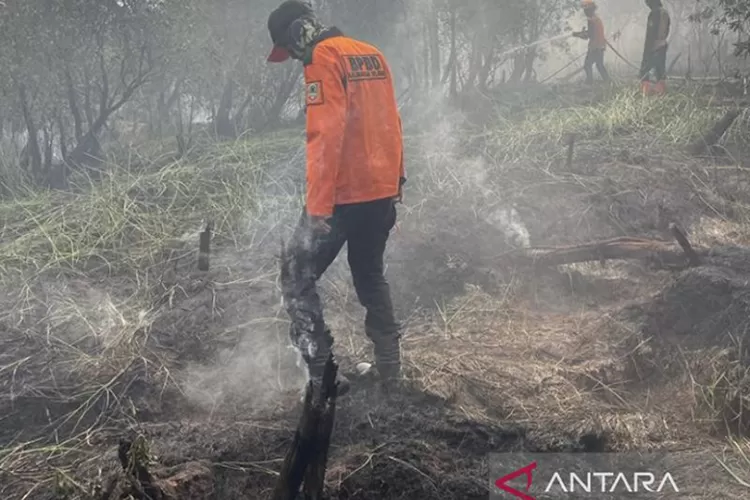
x=622, y=57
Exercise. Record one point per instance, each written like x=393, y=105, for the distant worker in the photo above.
x=594, y=33
x=355, y=173
x=654, y=62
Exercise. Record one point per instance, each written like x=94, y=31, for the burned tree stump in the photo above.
x=133, y=458
x=306, y=460
x=316, y=471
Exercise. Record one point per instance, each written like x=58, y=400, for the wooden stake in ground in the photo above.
x=204, y=248
x=571, y=143
x=307, y=457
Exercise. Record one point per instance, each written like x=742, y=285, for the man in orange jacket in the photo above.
x=354, y=173
x=594, y=33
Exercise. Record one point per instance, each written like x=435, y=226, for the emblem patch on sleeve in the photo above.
x=314, y=93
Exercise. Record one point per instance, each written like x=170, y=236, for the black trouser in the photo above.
x=656, y=60
x=365, y=228
x=595, y=56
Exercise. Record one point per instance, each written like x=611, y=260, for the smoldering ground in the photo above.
x=263, y=364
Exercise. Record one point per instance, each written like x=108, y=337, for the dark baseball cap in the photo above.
x=278, y=26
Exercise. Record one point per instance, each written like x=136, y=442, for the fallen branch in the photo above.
x=710, y=138
x=625, y=248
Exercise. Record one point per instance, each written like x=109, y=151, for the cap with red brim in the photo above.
x=278, y=54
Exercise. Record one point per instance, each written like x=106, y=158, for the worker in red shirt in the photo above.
x=355, y=173
x=594, y=33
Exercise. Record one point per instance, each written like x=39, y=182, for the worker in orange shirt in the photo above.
x=355, y=174
x=594, y=33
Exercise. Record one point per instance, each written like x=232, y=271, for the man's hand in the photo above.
x=583, y=34
x=319, y=224
x=399, y=198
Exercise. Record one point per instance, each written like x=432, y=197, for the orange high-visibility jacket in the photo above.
x=354, y=136
x=597, y=39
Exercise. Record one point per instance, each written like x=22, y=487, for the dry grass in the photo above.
x=83, y=277
x=126, y=218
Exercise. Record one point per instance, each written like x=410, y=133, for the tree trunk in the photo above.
x=32, y=144
x=518, y=68
x=282, y=96
x=73, y=103
x=475, y=60
x=223, y=124
x=88, y=109
x=454, y=56
x=63, y=138
x=161, y=104
x=89, y=143
x=434, y=34
x=426, y=58
x=185, y=137
x=529, y=59
x=165, y=103
x=487, y=67
x=49, y=139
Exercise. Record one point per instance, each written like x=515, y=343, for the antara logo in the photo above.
x=502, y=483
x=611, y=482
x=592, y=482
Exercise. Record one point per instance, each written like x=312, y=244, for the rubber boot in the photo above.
x=388, y=362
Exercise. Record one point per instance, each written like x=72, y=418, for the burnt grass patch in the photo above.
x=407, y=445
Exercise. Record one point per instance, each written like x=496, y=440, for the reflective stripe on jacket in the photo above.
x=354, y=136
